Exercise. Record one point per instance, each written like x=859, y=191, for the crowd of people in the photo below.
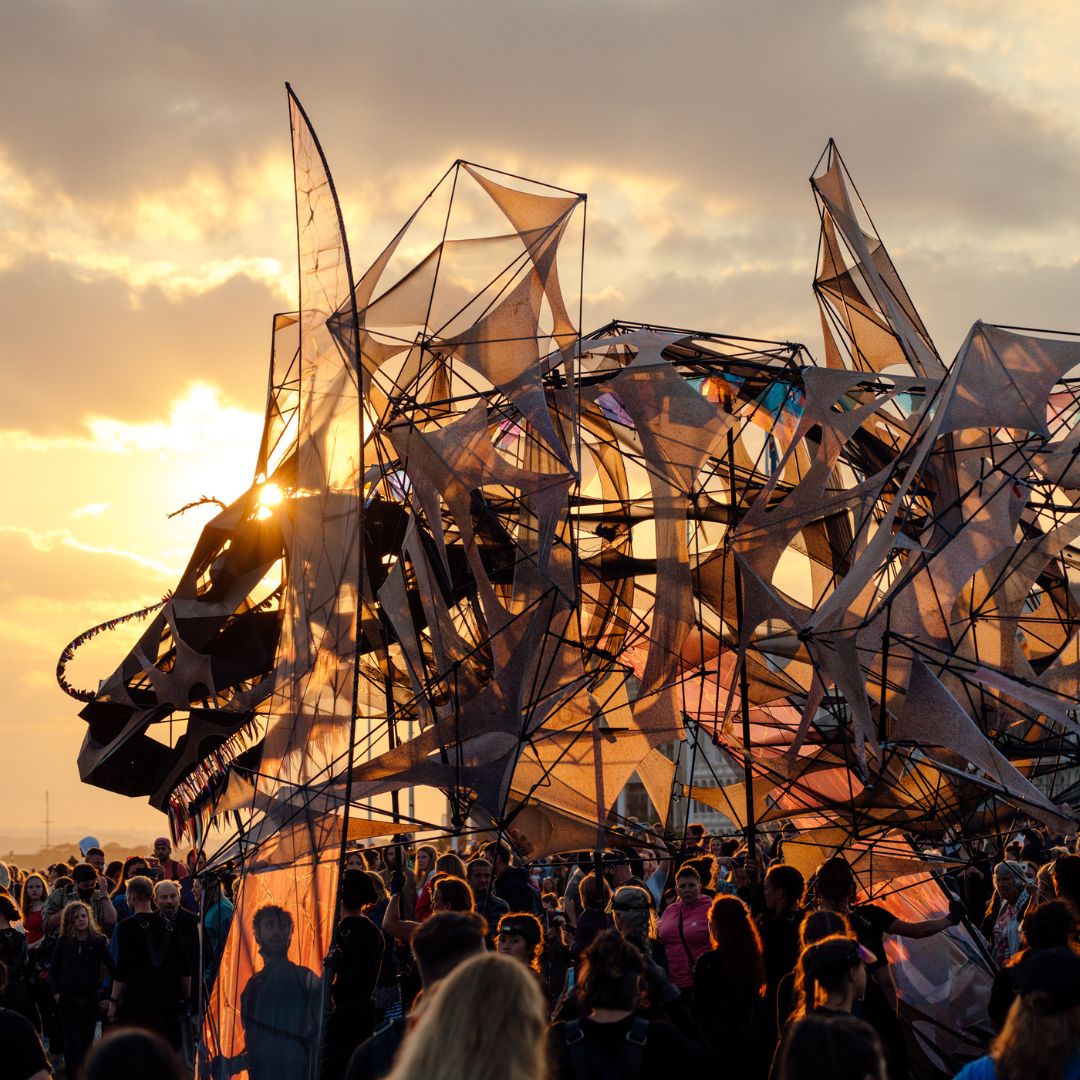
x=652, y=961
x=123, y=947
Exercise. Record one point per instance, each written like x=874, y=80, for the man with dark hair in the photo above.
x=834, y=884
x=171, y=869
x=512, y=883
x=444, y=941
x=96, y=858
x=90, y=887
x=153, y=979
x=485, y=903
x=355, y=960
x=779, y=925
x=279, y=1007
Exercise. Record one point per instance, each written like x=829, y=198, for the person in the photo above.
x=39, y=953
x=132, y=1054
x=451, y=894
x=23, y=1055
x=89, y=887
x=448, y=865
x=448, y=1042
x=171, y=869
x=34, y=894
x=1052, y=925
x=609, y=1039
x=825, y=1046
x=424, y=865
x=355, y=960
x=186, y=926
x=152, y=978
x=487, y=904
x=521, y=937
x=512, y=883
x=728, y=996
x=134, y=866
x=1035, y=845
x=779, y=925
x=387, y=990
x=1001, y=925
x=75, y=979
x=15, y=955
x=635, y=919
x=355, y=860
x=706, y=867
x=817, y=926
x=96, y=858
x=833, y=975
x=1066, y=874
x=394, y=860
x=571, y=902
x=279, y=1007
x=217, y=911
x=114, y=869
x=835, y=888
x=684, y=928
x=1041, y=1036
x=446, y=940
x=593, y=917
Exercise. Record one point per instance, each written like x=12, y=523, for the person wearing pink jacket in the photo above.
x=684, y=928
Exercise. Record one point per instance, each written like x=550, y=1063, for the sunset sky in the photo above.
x=147, y=231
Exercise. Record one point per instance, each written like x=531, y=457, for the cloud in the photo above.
x=183, y=239
x=62, y=537
x=72, y=348
x=147, y=231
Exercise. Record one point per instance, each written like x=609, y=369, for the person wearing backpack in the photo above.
x=610, y=1040
x=153, y=978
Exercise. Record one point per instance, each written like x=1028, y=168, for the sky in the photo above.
x=147, y=231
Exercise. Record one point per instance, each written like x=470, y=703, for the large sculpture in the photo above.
x=489, y=555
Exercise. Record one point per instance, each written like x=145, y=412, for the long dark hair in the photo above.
x=8, y=907
x=738, y=947
x=610, y=973
x=128, y=872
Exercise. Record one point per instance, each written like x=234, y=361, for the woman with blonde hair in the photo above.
x=74, y=977
x=449, y=1043
x=1041, y=1036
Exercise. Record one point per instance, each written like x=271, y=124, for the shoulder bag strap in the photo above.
x=682, y=938
x=157, y=952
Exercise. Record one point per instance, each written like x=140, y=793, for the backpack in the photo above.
x=589, y=1064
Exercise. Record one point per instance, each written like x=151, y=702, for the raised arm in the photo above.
x=392, y=923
